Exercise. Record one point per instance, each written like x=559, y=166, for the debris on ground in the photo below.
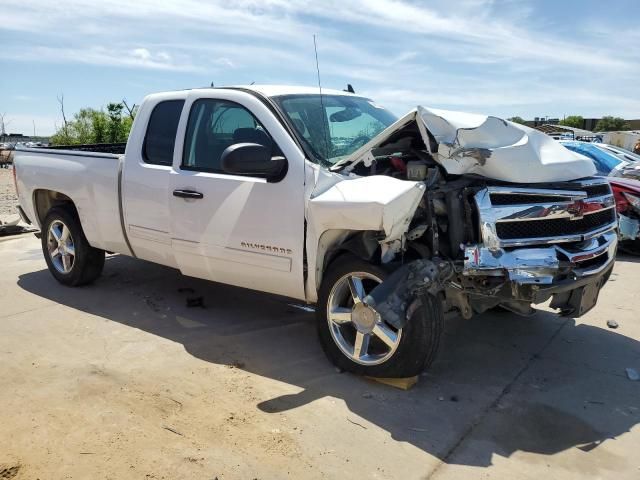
x=173, y=430
x=416, y=429
x=612, y=324
x=303, y=307
x=195, y=302
x=11, y=225
x=632, y=374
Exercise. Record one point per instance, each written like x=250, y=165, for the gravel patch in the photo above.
x=8, y=198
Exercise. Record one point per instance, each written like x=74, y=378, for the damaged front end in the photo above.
x=542, y=243
x=505, y=216
x=528, y=245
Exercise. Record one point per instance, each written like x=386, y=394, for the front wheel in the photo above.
x=70, y=258
x=358, y=340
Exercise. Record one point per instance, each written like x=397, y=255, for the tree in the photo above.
x=100, y=123
x=115, y=132
x=94, y=126
x=517, y=119
x=610, y=124
x=575, y=121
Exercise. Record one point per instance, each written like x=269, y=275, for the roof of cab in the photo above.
x=278, y=90
x=266, y=90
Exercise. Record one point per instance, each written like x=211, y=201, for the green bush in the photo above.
x=95, y=126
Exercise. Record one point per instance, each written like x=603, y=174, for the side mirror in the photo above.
x=252, y=159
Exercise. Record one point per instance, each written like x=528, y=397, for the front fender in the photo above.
x=377, y=203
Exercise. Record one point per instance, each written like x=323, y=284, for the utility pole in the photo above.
x=34, y=127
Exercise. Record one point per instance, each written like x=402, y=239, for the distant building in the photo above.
x=626, y=139
x=20, y=138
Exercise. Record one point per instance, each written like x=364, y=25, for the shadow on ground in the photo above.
x=507, y=384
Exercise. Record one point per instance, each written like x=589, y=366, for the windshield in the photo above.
x=620, y=153
x=334, y=126
x=603, y=161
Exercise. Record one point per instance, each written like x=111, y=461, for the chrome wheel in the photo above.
x=61, y=248
x=356, y=328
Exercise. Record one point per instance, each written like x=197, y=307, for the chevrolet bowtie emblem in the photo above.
x=578, y=208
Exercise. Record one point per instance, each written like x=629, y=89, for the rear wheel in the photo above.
x=70, y=258
x=357, y=339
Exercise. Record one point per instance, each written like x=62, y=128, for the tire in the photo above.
x=81, y=267
x=418, y=341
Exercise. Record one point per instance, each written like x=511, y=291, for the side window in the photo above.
x=161, y=132
x=213, y=126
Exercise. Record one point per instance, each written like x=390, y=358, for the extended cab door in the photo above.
x=146, y=175
x=240, y=230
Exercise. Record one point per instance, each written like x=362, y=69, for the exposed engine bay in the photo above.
x=482, y=242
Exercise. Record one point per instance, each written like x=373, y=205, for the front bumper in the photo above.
x=533, y=275
x=541, y=266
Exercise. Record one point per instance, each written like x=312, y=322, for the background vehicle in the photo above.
x=609, y=160
x=383, y=223
x=627, y=194
x=620, y=152
x=621, y=170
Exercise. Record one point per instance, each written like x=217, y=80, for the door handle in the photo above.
x=187, y=194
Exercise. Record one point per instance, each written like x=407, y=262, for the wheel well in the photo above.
x=45, y=200
x=335, y=243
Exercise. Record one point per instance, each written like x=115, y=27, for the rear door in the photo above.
x=146, y=176
x=238, y=230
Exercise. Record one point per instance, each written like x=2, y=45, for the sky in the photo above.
x=511, y=57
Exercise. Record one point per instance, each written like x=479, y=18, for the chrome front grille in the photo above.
x=576, y=211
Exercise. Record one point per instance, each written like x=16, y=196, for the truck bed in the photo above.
x=91, y=179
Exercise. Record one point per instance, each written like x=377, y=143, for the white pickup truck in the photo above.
x=384, y=224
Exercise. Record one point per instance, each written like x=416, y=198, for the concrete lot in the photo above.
x=122, y=380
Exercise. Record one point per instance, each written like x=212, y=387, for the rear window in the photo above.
x=161, y=133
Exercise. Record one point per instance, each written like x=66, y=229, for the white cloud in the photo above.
x=141, y=53
x=225, y=62
x=99, y=55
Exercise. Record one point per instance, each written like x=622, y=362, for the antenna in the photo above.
x=324, y=123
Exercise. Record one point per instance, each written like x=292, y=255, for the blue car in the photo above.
x=607, y=162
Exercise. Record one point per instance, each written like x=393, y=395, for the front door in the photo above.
x=234, y=229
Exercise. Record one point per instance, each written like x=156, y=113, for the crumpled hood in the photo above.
x=488, y=146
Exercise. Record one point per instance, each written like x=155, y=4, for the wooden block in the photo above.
x=401, y=383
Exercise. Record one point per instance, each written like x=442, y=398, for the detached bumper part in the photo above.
x=393, y=297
